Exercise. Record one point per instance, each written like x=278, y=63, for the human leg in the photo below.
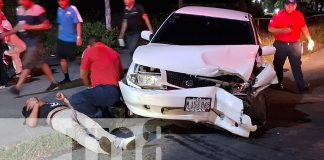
x=64, y=123
x=65, y=52
x=294, y=57
x=279, y=60
x=16, y=47
x=132, y=41
x=82, y=102
x=99, y=133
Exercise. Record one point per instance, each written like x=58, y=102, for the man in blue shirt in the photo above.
x=69, y=35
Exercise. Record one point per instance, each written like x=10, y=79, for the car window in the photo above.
x=182, y=29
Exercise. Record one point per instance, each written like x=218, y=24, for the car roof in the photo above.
x=214, y=12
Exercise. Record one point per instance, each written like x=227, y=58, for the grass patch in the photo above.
x=38, y=148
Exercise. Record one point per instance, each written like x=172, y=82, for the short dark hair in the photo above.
x=93, y=39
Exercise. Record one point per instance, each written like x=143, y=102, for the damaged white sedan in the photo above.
x=202, y=65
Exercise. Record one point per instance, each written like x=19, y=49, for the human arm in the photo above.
x=79, y=34
x=85, y=77
x=35, y=105
x=147, y=22
x=306, y=33
x=86, y=67
x=123, y=29
x=275, y=30
x=61, y=97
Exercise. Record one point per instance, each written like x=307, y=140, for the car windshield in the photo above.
x=182, y=29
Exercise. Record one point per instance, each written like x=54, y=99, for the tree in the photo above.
x=180, y=3
x=108, y=14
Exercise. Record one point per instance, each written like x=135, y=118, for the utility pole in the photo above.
x=108, y=14
x=180, y=3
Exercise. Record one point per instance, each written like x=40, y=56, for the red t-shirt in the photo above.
x=104, y=65
x=295, y=20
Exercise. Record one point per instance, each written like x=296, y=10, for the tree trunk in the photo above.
x=108, y=14
x=180, y=3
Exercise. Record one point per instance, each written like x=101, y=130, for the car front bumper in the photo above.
x=227, y=110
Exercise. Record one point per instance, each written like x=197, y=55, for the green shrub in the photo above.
x=110, y=38
x=98, y=29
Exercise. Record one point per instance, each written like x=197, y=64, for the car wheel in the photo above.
x=256, y=108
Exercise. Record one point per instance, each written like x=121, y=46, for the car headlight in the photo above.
x=148, y=78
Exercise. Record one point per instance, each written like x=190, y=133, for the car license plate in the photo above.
x=197, y=104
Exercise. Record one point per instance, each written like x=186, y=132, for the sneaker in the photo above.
x=52, y=87
x=2, y=87
x=305, y=89
x=14, y=90
x=126, y=143
x=105, y=144
x=65, y=81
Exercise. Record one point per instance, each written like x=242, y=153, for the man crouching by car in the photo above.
x=101, y=70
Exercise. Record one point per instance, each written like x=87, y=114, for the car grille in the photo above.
x=186, y=81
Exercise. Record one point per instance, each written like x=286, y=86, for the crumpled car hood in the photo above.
x=209, y=61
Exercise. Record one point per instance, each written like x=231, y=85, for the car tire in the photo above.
x=256, y=108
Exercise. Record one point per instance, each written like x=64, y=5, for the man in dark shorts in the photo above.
x=69, y=36
x=132, y=25
x=32, y=22
x=101, y=70
x=287, y=26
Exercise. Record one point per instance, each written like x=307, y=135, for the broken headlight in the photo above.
x=146, y=77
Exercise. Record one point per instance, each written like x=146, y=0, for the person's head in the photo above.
x=29, y=106
x=1, y=5
x=129, y=3
x=290, y=6
x=63, y=3
x=93, y=40
x=26, y=3
x=30, y=103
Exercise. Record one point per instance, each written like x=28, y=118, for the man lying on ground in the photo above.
x=66, y=120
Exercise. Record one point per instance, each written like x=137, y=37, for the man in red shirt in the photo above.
x=101, y=70
x=286, y=27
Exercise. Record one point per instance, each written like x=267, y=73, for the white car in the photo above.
x=202, y=65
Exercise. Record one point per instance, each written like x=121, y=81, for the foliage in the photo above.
x=98, y=29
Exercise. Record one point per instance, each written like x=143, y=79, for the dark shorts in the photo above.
x=66, y=50
x=34, y=57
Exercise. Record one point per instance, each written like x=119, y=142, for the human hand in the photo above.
x=311, y=44
x=60, y=96
x=31, y=103
x=286, y=30
x=79, y=42
x=22, y=27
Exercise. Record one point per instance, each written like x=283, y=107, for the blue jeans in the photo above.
x=132, y=41
x=92, y=101
x=293, y=52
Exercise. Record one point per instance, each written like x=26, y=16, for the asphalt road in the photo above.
x=295, y=127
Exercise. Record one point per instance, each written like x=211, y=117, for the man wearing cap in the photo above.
x=286, y=27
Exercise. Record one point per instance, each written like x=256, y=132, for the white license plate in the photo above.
x=197, y=104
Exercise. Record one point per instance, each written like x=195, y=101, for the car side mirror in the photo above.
x=147, y=35
x=268, y=50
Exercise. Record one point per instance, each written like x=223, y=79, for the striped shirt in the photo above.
x=35, y=15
